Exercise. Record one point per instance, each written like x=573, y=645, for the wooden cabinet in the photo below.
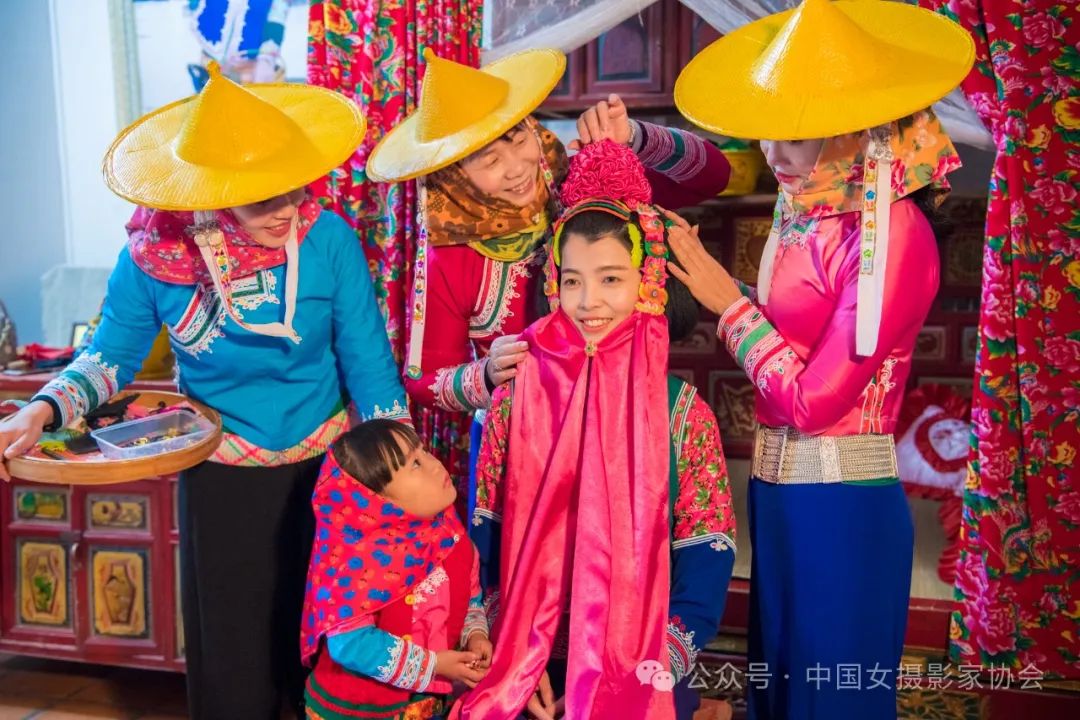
x=638, y=59
x=632, y=58
x=90, y=573
x=694, y=34
x=569, y=89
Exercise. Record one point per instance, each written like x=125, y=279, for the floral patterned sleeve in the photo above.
x=487, y=517
x=703, y=510
x=703, y=542
x=490, y=464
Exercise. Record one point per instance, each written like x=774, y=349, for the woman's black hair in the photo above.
x=681, y=310
x=371, y=452
x=927, y=199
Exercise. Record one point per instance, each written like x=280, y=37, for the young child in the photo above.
x=604, y=517
x=393, y=586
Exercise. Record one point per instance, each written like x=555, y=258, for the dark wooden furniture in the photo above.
x=89, y=573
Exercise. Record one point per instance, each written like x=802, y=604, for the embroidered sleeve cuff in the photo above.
x=637, y=136
x=717, y=541
x=85, y=384
x=678, y=154
x=491, y=607
x=482, y=515
x=753, y=342
x=681, y=649
x=749, y=291
x=462, y=388
x=408, y=666
x=475, y=621
x=397, y=411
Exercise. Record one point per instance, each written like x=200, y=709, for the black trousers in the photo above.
x=245, y=544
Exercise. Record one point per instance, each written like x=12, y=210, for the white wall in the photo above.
x=87, y=104
x=32, y=238
x=87, y=119
x=57, y=118
x=165, y=44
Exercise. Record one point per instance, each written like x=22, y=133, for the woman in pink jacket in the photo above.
x=846, y=280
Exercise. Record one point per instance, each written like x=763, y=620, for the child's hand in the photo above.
x=460, y=666
x=479, y=643
x=541, y=705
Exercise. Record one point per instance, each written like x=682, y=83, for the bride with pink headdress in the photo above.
x=604, y=518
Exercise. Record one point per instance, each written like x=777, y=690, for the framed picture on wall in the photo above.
x=931, y=344
x=962, y=249
x=731, y=396
x=702, y=341
x=751, y=234
x=78, y=332
x=684, y=374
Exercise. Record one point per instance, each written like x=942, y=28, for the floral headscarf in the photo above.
x=368, y=553
x=162, y=244
x=211, y=247
x=922, y=152
x=456, y=213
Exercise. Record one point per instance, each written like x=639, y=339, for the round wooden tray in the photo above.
x=106, y=472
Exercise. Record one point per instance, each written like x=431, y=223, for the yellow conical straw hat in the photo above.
x=231, y=145
x=824, y=69
x=462, y=109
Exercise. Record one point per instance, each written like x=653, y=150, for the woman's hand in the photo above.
x=606, y=120
x=704, y=277
x=21, y=431
x=479, y=644
x=542, y=705
x=505, y=354
x=459, y=666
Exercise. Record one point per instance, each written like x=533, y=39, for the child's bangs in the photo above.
x=389, y=444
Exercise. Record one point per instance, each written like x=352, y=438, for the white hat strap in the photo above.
x=211, y=243
x=874, y=239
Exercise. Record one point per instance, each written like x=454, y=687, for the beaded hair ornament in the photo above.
x=608, y=177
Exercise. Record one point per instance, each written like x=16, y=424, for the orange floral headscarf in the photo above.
x=923, y=155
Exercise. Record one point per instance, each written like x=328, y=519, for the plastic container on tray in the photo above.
x=153, y=435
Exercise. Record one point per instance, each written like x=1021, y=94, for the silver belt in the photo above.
x=786, y=456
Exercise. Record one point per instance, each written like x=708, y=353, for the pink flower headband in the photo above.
x=608, y=177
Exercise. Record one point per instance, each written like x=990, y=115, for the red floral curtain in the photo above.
x=371, y=51
x=1018, y=576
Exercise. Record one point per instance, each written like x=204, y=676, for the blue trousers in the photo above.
x=830, y=583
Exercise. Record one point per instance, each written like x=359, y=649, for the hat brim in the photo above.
x=401, y=155
x=141, y=165
x=930, y=55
